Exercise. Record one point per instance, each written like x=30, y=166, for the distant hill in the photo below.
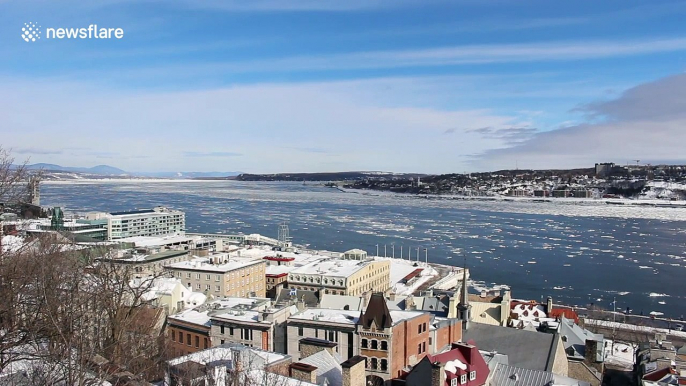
x=53, y=171
x=104, y=170
x=333, y=176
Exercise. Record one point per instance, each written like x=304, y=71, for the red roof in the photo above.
x=658, y=374
x=278, y=258
x=566, y=312
x=470, y=356
x=413, y=274
x=276, y=274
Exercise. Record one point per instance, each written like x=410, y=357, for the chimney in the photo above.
x=303, y=372
x=549, y=305
x=311, y=346
x=354, y=371
x=437, y=374
x=590, y=354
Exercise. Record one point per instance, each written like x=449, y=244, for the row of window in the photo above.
x=421, y=328
x=189, y=339
x=376, y=364
x=463, y=379
x=331, y=336
x=246, y=333
x=421, y=348
x=375, y=344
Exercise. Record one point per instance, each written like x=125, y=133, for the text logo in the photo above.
x=30, y=32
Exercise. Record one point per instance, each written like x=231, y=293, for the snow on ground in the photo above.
x=633, y=327
x=401, y=268
x=12, y=243
x=619, y=354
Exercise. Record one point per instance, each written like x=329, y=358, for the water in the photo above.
x=576, y=253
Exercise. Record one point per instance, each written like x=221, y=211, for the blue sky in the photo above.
x=318, y=85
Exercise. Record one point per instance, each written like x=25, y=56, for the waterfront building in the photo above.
x=219, y=275
x=159, y=221
x=141, y=264
x=342, y=277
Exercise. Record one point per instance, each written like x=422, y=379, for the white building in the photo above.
x=159, y=221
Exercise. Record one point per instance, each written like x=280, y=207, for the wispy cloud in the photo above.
x=211, y=154
x=34, y=150
x=645, y=122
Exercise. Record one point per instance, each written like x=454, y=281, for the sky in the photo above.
x=268, y=86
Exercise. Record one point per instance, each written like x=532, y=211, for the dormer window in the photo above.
x=453, y=382
x=472, y=375
x=463, y=379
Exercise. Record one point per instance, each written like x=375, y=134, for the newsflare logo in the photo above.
x=31, y=32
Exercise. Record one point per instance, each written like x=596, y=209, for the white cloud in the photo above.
x=258, y=125
x=646, y=123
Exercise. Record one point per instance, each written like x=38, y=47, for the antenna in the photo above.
x=284, y=236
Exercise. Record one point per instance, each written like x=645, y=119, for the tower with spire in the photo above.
x=463, y=308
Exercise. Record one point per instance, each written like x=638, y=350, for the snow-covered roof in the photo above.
x=328, y=368
x=328, y=315
x=332, y=267
x=202, y=264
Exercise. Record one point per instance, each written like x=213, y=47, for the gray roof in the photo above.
x=527, y=349
x=506, y=375
x=311, y=298
x=339, y=302
x=576, y=337
x=328, y=368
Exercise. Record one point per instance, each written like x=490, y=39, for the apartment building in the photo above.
x=188, y=331
x=142, y=264
x=219, y=275
x=159, y=221
x=261, y=326
x=342, y=277
x=389, y=340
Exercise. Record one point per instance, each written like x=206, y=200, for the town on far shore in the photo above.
x=229, y=309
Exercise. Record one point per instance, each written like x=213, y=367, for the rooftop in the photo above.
x=203, y=264
x=332, y=267
x=327, y=315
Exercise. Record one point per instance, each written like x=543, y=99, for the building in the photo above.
x=342, y=277
x=355, y=254
x=230, y=364
x=148, y=264
x=218, y=275
x=262, y=326
x=461, y=365
x=169, y=294
x=525, y=349
x=327, y=325
x=276, y=278
x=158, y=221
x=604, y=169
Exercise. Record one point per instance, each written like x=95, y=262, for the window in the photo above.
x=188, y=275
x=419, y=329
x=332, y=336
x=173, y=335
x=463, y=379
x=472, y=375
x=375, y=362
x=197, y=276
x=231, y=331
x=419, y=348
x=221, y=329
x=375, y=344
x=364, y=343
x=217, y=288
x=207, y=277
x=188, y=339
x=384, y=345
x=384, y=365
x=300, y=331
x=207, y=287
x=423, y=346
x=197, y=341
x=453, y=382
x=221, y=341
